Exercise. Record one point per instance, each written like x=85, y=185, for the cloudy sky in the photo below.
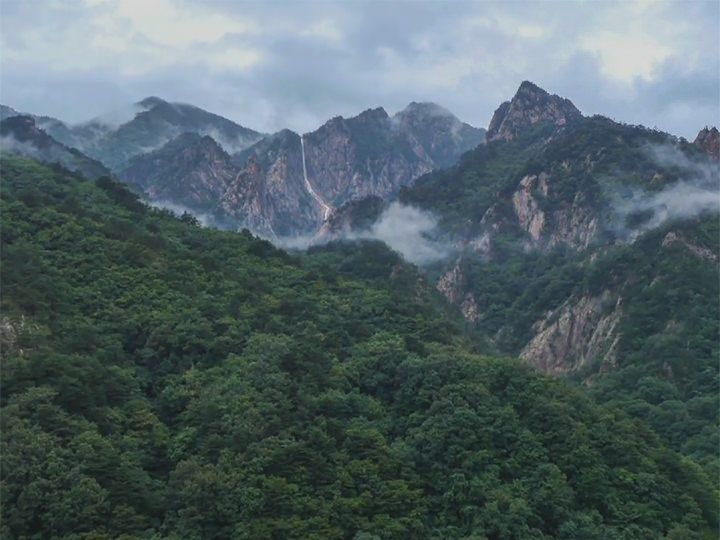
x=275, y=64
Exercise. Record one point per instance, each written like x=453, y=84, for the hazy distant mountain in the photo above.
x=190, y=170
x=21, y=135
x=345, y=159
x=6, y=112
x=118, y=136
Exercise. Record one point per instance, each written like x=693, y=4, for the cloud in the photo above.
x=696, y=193
x=405, y=229
x=408, y=231
x=296, y=67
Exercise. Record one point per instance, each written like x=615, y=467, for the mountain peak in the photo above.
x=709, y=140
x=151, y=101
x=529, y=87
x=530, y=105
x=425, y=106
x=377, y=113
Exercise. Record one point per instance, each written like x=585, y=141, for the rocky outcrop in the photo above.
x=453, y=285
x=365, y=155
x=354, y=216
x=11, y=330
x=576, y=225
x=581, y=331
x=268, y=195
x=675, y=239
x=529, y=106
x=548, y=222
x=191, y=170
x=709, y=140
x=530, y=217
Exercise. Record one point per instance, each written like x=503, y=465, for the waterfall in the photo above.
x=326, y=208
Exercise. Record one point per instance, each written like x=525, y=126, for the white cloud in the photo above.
x=235, y=58
x=326, y=29
x=298, y=66
x=178, y=25
x=626, y=56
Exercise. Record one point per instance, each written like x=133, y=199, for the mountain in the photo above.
x=590, y=248
x=164, y=380
x=709, y=140
x=285, y=185
x=441, y=134
x=160, y=122
x=191, y=170
x=147, y=125
x=530, y=105
x=7, y=112
x=269, y=195
x=21, y=135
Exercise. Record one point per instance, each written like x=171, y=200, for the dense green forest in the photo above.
x=666, y=367
x=162, y=380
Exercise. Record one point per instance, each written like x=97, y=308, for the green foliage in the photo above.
x=162, y=380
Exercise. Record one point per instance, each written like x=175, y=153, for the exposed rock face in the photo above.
x=530, y=105
x=442, y=135
x=709, y=140
x=675, y=239
x=575, y=224
x=11, y=329
x=530, y=217
x=190, y=170
x=579, y=332
x=373, y=154
x=452, y=284
x=21, y=135
x=356, y=215
x=269, y=195
x=361, y=156
x=469, y=308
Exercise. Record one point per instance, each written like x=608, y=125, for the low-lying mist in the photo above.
x=698, y=191
x=405, y=229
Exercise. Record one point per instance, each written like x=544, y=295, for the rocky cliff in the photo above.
x=530, y=105
x=709, y=140
x=582, y=331
x=269, y=194
x=191, y=170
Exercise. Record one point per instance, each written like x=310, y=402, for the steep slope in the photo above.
x=570, y=231
x=169, y=381
x=709, y=140
x=151, y=123
x=441, y=134
x=361, y=156
x=7, y=112
x=190, y=170
x=269, y=195
x=530, y=105
x=21, y=135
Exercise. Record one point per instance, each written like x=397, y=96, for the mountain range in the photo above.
x=339, y=388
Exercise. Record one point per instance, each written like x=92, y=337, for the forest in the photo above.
x=165, y=380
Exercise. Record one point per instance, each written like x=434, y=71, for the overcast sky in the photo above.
x=269, y=65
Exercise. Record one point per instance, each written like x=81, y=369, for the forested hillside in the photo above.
x=162, y=380
x=591, y=250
